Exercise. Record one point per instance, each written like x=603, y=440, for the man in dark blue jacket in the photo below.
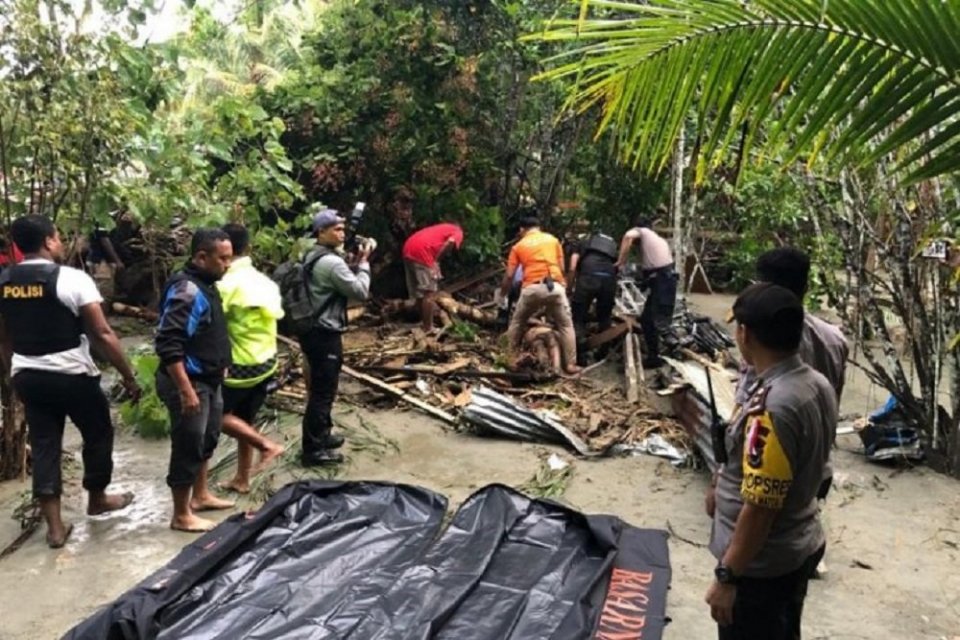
x=194, y=350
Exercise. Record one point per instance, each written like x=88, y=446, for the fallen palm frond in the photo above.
x=367, y=438
x=285, y=469
x=551, y=479
x=849, y=80
x=268, y=423
x=27, y=513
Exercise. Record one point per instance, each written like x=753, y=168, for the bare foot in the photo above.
x=572, y=370
x=209, y=502
x=272, y=452
x=107, y=502
x=236, y=485
x=56, y=540
x=192, y=524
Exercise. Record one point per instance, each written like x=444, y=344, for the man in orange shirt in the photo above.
x=543, y=289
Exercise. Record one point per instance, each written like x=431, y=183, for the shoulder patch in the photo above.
x=757, y=402
x=767, y=474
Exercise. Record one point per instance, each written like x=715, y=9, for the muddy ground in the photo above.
x=893, y=534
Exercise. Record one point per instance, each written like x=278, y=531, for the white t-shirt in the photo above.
x=75, y=289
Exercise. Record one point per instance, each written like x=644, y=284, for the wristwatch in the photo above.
x=724, y=575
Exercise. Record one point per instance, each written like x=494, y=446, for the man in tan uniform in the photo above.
x=823, y=346
x=766, y=532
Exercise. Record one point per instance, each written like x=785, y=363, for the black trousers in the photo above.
x=48, y=398
x=193, y=438
x=771, y=608
x=657, y=316
x=324, y=352
x=245, y=403
x=591, y=288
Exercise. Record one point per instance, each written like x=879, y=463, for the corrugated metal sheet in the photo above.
x=493, y=414
x=692, y=405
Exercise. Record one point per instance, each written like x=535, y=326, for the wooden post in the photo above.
x=676, y=209
x=630, y=368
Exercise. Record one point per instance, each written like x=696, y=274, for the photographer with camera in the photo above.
x=331, y=284
x=421, y=263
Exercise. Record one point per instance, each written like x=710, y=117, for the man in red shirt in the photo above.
x=9, y=253
x=421, y=255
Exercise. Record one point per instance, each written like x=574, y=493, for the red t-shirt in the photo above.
x=5, y=255
x=424, y=245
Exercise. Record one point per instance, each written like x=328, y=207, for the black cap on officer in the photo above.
x=773, y=314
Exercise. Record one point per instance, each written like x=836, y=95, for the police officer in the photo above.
x=823, y=345
x=659, y=275
x=51, y=313
x=194, y=349
x=766, y=533
x=593, y=279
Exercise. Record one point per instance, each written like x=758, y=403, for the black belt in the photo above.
x=652, y=272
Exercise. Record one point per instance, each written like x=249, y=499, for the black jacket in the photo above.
x=192, y=326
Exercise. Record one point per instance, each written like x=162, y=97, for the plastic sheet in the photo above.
x=361, y=561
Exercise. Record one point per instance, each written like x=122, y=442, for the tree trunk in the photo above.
x=13, y=443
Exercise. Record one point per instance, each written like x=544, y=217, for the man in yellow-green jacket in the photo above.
x=252, y=306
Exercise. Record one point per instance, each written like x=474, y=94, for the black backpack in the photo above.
x=300, y=309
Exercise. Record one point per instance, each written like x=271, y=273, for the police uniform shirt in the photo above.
x=778, y=446
x=75, y=289
x=823, y=347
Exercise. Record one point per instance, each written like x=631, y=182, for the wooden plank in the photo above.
x=630, y=368
x=147, y=315
x=610, y=334
x=401, y=395
x=469, y=282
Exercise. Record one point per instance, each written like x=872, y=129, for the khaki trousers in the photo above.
x=535, y=298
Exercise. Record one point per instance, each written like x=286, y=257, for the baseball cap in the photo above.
x=326, y=218
x=772, y=312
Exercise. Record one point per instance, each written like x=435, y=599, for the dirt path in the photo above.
x=894, y=537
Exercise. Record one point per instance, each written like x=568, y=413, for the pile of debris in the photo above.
x=459, y=375
x=459, y=378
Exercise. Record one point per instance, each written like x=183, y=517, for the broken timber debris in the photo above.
x=147, y=315
x=441, y=372
x=402, y=395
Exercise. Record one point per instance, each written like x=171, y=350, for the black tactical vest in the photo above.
x=602, y=244
x=36, y=322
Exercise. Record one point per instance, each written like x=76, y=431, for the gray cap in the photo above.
x=326, y=218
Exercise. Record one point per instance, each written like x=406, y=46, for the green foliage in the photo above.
x=548, y=481
x=464, y=331
x=149, y=417
x=67, y=109
x=848, y=80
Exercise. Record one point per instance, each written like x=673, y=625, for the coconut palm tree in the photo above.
x=847, y=80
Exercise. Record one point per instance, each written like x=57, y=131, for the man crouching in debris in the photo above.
x=332, y=284
x=543, y=289
x=766, y=531
x=421, y=263
x=541, y=344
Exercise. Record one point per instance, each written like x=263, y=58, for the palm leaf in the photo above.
x=847, y=81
